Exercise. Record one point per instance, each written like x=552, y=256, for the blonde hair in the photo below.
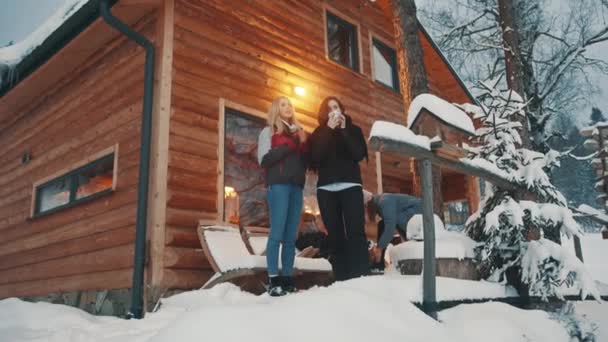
x=274, y=118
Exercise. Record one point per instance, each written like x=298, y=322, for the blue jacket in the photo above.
x=396, y=210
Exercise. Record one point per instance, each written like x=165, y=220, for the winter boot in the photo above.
x=274, y=287
x=288, y=285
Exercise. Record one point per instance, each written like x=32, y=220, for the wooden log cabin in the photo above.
x=71, y=118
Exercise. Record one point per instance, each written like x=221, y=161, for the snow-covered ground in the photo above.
x=375, y=308
x=369, y=309
x=595, y=255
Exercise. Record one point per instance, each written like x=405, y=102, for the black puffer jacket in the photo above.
x=336, y=153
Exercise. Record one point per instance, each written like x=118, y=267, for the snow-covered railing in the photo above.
x=390, y=137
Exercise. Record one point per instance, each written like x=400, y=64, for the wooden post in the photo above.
x=428, y=277
x=578, y=250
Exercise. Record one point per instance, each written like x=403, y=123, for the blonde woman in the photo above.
x=281, y=152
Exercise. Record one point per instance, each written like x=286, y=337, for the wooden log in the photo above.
x=187, y=218
x=105, y=260
x=189, y=180
x=114, y=279
x=190, y=162
x=185, y=279
x=91, y=243
x=189, y=146
x=181, y=237
x=185, y=258
x=193, y=201
x=71, y=226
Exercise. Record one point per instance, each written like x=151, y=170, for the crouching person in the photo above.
x=281, y=152
x=395, y=211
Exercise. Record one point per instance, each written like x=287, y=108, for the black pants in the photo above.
x=343, y=215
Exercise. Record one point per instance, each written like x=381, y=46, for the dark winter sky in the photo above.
x=19, y=17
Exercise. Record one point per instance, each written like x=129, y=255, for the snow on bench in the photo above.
x=226, y=252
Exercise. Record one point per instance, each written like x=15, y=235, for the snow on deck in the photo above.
x=396, y=132
x=442, y=109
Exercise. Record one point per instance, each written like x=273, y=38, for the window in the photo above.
x=84, y=183
x=455, y=215
x=385, y=64
x=244, y=185
x=342, y=42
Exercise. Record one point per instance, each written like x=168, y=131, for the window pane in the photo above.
x=384, y=59
x=455, y=215
x=342, y=42
x=54, y=194
x=97, y=178
x=244, y=192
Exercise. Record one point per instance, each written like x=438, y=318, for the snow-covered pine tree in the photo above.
x=515, y=231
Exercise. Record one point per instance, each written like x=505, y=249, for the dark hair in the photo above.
x=323, y=114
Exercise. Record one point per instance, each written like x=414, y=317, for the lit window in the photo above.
x=83, y=183
x=342, y=46
x=385, y=64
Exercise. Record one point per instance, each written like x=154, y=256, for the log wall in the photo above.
x=90, y=245
x=249, y=52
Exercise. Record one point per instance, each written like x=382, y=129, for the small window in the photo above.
x=81, y=184
x=385, y=64
x=342, y=45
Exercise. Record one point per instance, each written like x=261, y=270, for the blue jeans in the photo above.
x=285, y=206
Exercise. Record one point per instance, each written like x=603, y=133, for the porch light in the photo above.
x=300, y=91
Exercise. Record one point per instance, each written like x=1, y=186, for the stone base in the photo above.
x=96, y=302
x=605, y=234
x=446, y=267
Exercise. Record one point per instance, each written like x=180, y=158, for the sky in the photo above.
x=18, y=18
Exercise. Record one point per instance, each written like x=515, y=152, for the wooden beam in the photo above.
x=404, y=148
x=429, y=299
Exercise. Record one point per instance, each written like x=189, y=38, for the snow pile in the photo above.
x=393, y=131
x=367, y=309
x=415, y=227
x=442, y=109
x=498, y=322
x=538, y=260
x=452, y=245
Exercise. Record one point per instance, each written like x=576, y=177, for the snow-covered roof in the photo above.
x=442, y=109
x=12, y=55
x=393, y=131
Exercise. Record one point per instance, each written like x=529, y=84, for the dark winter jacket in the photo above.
x=336, y=153
x=284, y=160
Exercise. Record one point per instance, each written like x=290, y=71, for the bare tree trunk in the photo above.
x=513, y=61
x=412, y=76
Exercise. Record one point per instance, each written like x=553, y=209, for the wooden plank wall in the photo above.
x=249, y=52
x=89, y=246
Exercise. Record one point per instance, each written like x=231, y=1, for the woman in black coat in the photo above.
x=337, y=147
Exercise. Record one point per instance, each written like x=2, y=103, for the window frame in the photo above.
x=69, y=173
x=348, y=20
x=373, y=39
